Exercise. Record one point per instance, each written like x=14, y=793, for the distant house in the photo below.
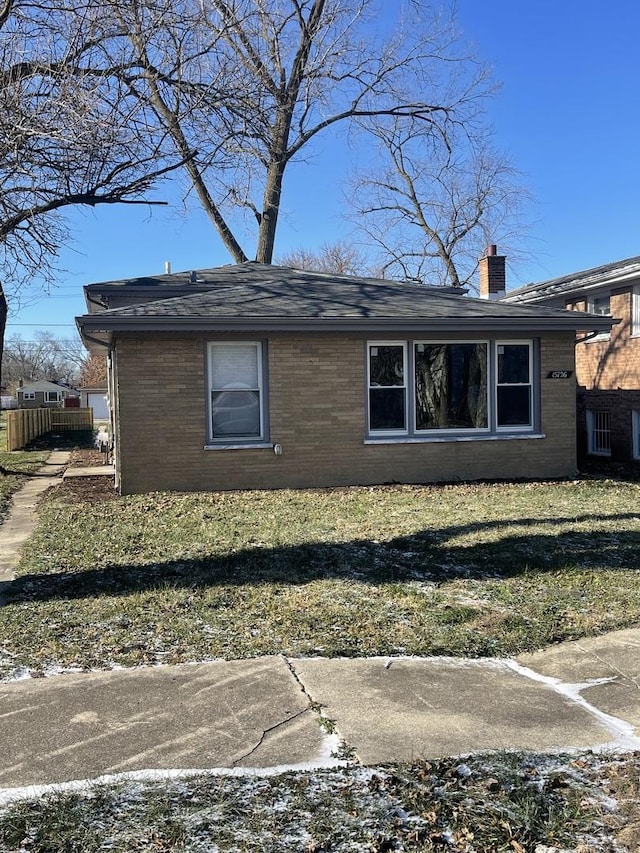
x=607, y=363
x=44, y=394
x=256, y=376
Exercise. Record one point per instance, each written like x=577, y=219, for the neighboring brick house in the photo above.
x=256, y=376
x=607, y=364
x=44, y=395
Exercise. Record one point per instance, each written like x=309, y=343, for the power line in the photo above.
x=11, y=343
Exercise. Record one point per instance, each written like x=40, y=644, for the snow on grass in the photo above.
x=517, y=802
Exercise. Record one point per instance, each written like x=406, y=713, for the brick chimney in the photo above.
x=492, y=274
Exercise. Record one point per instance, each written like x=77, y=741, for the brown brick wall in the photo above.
x=317, y=414
x=615, y=362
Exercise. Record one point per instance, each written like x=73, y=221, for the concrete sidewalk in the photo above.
x=265, y=713
x=274, y=712
x=21, y=521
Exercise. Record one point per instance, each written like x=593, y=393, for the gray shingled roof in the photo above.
x=606, y=274
x=256, y=296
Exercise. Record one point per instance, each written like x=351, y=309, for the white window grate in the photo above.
x=599, y=433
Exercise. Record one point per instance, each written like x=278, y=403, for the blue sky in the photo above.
x=567, y=115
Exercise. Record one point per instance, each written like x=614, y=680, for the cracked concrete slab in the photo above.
x=611, y=662
x=407, y=709
x=249, y=713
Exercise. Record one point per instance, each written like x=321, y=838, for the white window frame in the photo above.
x=599, y=297
x=405, y=387
x=591, y=302
x=635, y=311
x=509, y=427
x=635, y=426
x=231, y=440
x=492, y=430
x=52, y=396
x=28, y=395
x=598, y=426
x=436, y=431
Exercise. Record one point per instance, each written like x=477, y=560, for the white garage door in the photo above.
x=97, y=401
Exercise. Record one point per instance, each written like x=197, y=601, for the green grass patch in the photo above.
x=465, y=570
x=505, y=802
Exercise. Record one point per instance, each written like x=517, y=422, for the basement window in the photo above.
x=599, y=433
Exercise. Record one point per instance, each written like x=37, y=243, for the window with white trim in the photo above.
x=600, y=304
x=599, y=433
x=635, y=310
x=514, y=389
x=236, y=392
x=429, y=388
x=635, y=426
x=52, y=396
x=28, y=395
x=387, y=389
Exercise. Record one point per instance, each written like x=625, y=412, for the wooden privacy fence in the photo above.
x=23, y=425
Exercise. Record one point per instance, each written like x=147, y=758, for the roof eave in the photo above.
x=89, y=324
x=531, y=294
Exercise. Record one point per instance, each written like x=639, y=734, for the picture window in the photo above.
x=423, y=388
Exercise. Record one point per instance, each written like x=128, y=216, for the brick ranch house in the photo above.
x=257, y=376
x=608, y=363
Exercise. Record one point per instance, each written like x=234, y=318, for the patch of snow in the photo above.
x=21, y=673
x=463, y=771
x=10, y=795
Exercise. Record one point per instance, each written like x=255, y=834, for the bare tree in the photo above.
x=67, y=137
x=342, y=258
x=435, y=201
x=250, y=84
x=42, y=357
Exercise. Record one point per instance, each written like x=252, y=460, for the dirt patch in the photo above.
x=86, y=458
x=88, y=489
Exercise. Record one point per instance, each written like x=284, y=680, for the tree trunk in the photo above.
x=280, y=152
x=4, y=310
x=270, y=211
